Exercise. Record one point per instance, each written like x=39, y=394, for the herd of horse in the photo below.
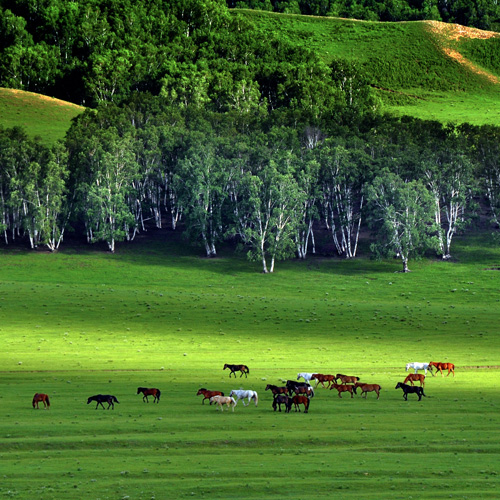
x=292, y=394
x=296, y=394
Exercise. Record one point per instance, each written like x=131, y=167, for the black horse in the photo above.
x=280, y=399
x=408, y=389
x=104, y=398
x=300, y=388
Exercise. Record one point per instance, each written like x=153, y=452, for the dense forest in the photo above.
x=195, y=123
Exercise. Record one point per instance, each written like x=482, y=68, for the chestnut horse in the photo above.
x=237, y=368
x=443, y=366
x=300, y=388
x=43, y=398
x=344, y=388
x=298, y=400
x=208, y=394
x=366, y=388
x=223, y=400
x=321, y=379
x=415, y=377
x=346, y=379
x=156, y=393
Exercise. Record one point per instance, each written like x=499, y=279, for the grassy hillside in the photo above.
x=424, y=69
x=39, y=115
x=82, y=322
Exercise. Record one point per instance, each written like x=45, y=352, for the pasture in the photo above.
x=84, y=322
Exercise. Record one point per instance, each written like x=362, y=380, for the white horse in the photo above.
x=306, y=376
x=223, y=400
x=419, y=366
x=242, y=394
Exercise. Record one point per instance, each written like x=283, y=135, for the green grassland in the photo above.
x=405, y=63
x=38, y=115
x=82, y=322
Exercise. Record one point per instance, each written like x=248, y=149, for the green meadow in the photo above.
x=40, y=116
x=82, y=322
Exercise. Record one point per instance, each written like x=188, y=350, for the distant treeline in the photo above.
x=264, y=186
x=482, y=14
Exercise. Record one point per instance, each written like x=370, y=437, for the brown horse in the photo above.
x=298, y=400
x=346, y=379
x=276, y=390
x=321, y=379
x=156, y=393
x=366, y=388
x=443, y=366
x=415, y=377
x=237, y=368
x=208, y=394
x=344, y=388
x=41, y=398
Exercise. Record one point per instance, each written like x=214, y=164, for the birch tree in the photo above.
x=402, y=216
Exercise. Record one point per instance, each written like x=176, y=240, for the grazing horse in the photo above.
x=298, y=400
x=223, y=400
x=443, y=366
x=415, y=377
x=156, y=393
x=44, y=398
x=280, y=399
x=242, y=394
x=237, y=368
x=346, y=379
x=321, y=379
x=366, y=388
x=344, y=388
x=408, y=389
x=276, y=390
x=300, y=388
x=104, y=398
x=419, y=366
x=208, y=394
x=305, y=376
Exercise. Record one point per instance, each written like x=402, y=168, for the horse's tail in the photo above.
x=158, y=393
x=33, y=402
x=256, y=397
x=246, y=369
x=311, y=389
x=47, y=400
x=354, y=389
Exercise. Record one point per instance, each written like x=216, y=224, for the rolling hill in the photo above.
x=428, y=70
x=39, y=115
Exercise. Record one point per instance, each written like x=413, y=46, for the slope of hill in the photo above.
x=424, y=69
x=39, y=115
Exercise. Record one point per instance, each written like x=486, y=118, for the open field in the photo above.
x=39, y=115
x=79, y=323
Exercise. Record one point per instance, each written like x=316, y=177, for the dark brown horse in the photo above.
x=103, y=398
x=344, y=388
x=281, y=399
x=237, y=368
x=443, y=366
x=156, y=393
x=321, y=379
x=208, y=394
x=346, y=379
x=41, y=398
x=276, y=390
x=408, y=389
x=300, y=388
x=415, y=377
x=365, y=388
x=298, y=400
